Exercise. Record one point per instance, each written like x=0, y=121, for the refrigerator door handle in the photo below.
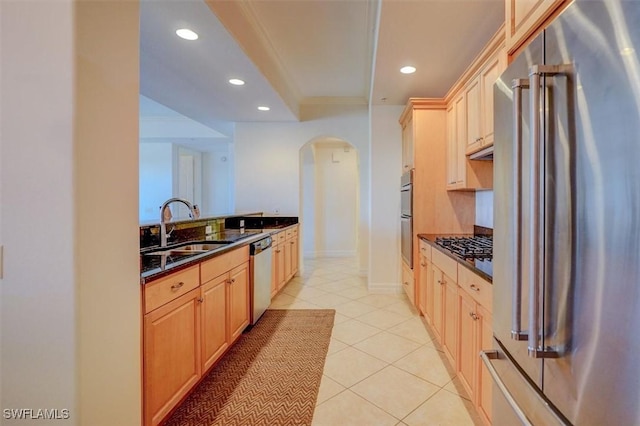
x=536, y=194
x=516, y=306
x=486, y=357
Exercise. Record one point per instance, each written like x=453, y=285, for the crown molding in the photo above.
x=240, y=20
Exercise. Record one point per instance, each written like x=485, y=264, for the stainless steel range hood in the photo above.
x=483, y=154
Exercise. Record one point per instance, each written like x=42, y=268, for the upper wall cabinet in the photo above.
x=407, y=145
x=524, y=17
x=479, y=93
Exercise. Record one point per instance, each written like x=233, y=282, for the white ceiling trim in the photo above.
x=239, y=20
x=334, y=100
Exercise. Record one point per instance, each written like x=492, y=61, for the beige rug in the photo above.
x=271, y=376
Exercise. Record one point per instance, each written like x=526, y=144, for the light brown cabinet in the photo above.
x=238, y=283
x=425, y=286
x=474, y=133
x=285, y=258
x=457, y=306
x=407, y=146
x=524, y=17
x=171, y=354
x=408, y=284
x=187, y=326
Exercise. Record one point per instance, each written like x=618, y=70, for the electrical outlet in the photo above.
x=276, y=211
x=208, y=229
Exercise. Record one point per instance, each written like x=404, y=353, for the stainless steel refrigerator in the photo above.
x=567, y=223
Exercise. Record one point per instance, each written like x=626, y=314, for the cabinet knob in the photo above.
x=423, y=264
x=474, y=316
x=200, y=299
x=177, y=286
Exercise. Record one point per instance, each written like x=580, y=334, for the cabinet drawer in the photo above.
x=479, y=289
x=425, y=249
x=164, y=290
x=289, y=233
x=445, y=263
x=281, y=237
x=209, y=269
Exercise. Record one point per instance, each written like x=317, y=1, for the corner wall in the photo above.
x=69, y=141
x=386, y=161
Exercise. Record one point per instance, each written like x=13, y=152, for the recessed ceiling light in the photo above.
x=264, y=108
x=236, y=82
x=627, y=51
x=408, y=70
x=186, y=34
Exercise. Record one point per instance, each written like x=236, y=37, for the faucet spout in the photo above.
x=163, y=225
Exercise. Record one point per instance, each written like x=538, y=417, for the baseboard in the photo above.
x=385, y=288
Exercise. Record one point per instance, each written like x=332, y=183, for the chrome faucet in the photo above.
x=163, y=225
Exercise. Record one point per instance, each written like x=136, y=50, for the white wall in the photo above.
x=156, y=178
x=71, y=302
x=216, y=183
x=267, y=171
x=386, y=163
x=336, y=201
x=308, y=194
x=484, y=208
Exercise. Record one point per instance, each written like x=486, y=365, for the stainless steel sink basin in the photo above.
x=191, y=248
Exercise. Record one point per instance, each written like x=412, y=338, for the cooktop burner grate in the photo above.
x=478, y=247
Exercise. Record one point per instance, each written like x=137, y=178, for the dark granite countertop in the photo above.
x=483, y=268
x=153, y=267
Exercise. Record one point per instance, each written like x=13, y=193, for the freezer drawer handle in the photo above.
x=536, y=273
x=486, y=357
x=516, y=313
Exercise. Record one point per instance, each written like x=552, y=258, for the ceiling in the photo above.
x=297, y=52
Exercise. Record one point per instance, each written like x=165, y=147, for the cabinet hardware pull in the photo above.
x=474, y=287
x=423, y=264
x=233, y=280
x=177, y=286
x=200, y=299
x=474, y=316
x=439, y=281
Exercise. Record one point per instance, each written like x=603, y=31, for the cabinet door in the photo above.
x=422, y=285
x=294, y=255
x=452, y=150
x=450, y=335
x=171, y=354
x=287, y=260
x=430, y=294
x=461, y=140
x=407, y=146
x=484, y=387
x=408, y=283
x=274, y=270
x=488, y=77
x=238, y=300
x=467, y=345
x=524, y=17
x=438, y=300
x=282, y=279
x=473, y=131
x=214, y=320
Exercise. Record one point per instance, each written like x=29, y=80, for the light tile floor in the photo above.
x=382, y=367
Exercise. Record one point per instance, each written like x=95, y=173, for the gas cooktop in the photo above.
x=477, y=247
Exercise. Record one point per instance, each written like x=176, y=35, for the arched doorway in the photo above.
x=329, y=198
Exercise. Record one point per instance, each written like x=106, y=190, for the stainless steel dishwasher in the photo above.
x=260, y=269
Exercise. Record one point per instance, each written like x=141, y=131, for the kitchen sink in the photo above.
x=190, y=248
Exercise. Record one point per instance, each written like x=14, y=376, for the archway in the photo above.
x=329, y=198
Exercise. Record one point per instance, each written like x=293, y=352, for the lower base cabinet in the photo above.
x=408, y=283
x=171, y=354
x=459, y=314
x=185, y=336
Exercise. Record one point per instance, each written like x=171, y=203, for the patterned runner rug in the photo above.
x=269, y=377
